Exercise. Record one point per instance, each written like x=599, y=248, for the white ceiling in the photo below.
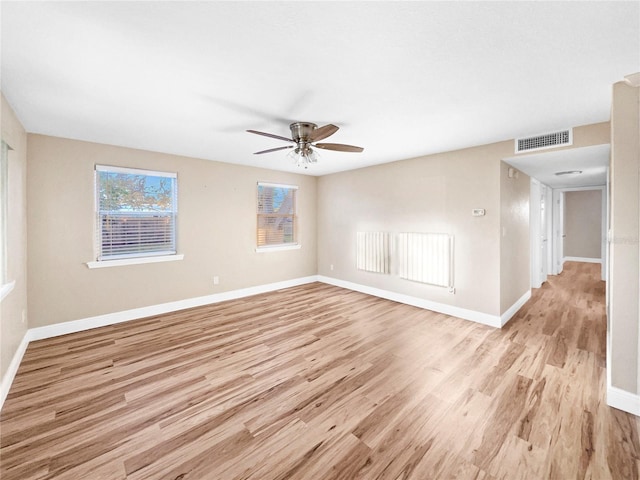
x=591, y=162
x=400, y=79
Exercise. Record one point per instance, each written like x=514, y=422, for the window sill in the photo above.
x=6, y=289
x=134, y=261
x=278, y=248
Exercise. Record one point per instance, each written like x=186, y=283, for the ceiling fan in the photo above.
x=305, y=135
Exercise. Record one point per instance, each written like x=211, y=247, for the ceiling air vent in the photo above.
x=546, y=140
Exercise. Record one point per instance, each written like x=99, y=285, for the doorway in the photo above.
x=582, y=225
x=566, y=224
x=540, y=217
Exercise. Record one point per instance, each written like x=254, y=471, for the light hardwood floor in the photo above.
x=317, y=382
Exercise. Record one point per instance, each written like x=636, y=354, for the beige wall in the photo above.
x=583, y=224
x=593, y=134
x=624, y=271
x=435, y=193
x=216, y=232
x=14, y=306
x=515, y=264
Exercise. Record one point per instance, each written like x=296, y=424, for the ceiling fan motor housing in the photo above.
x=301, y=131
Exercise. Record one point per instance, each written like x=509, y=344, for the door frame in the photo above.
x=536, y=229
x=558, y=232
x=558, y=226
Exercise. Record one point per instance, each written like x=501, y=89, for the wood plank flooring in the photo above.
x=317, y=382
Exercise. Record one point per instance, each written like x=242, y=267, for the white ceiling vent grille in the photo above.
x=546, y=140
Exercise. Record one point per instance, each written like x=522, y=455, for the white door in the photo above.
x=558, y=231
x=544, y=243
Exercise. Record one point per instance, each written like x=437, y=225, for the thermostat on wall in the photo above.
x=478, y=212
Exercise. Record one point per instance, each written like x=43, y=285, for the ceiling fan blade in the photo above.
x=270, y=135
x=274, y=149
x=339, y=147
x=323, y=132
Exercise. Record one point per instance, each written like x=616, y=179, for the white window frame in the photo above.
x=113, y=260
x=296, y=236
x=6, y=286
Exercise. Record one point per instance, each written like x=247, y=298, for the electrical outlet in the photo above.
x=216, y=280
x=331, y=267
x=24, y=316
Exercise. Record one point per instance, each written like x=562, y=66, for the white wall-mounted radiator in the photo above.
x=373, y=252
x=426, y=258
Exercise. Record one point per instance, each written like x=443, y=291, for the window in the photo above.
x=277, y=221
x=136, y=213
x=4, y=172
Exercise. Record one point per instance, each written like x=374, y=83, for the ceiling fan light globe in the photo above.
x=312, y=156
x=297, y=157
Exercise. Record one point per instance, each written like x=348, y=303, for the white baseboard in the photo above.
x=49, y=331
x=582, y=259
x=513, y=309
x=474, y=316
x=10, y=374
x=73, y=326
x=623, y=400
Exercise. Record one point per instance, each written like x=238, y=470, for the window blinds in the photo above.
x=373, y=251
x=136, y=212
x=426, y=258
x=276, y=215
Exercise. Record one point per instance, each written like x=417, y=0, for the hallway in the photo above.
x=566, y=320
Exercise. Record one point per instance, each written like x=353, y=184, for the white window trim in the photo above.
x=6, y=289
x=132, y=170
x=284, y=246
x=153, y=257
x=134, y=261
x=278, y=185
x=4, y=229
x=278, y=248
